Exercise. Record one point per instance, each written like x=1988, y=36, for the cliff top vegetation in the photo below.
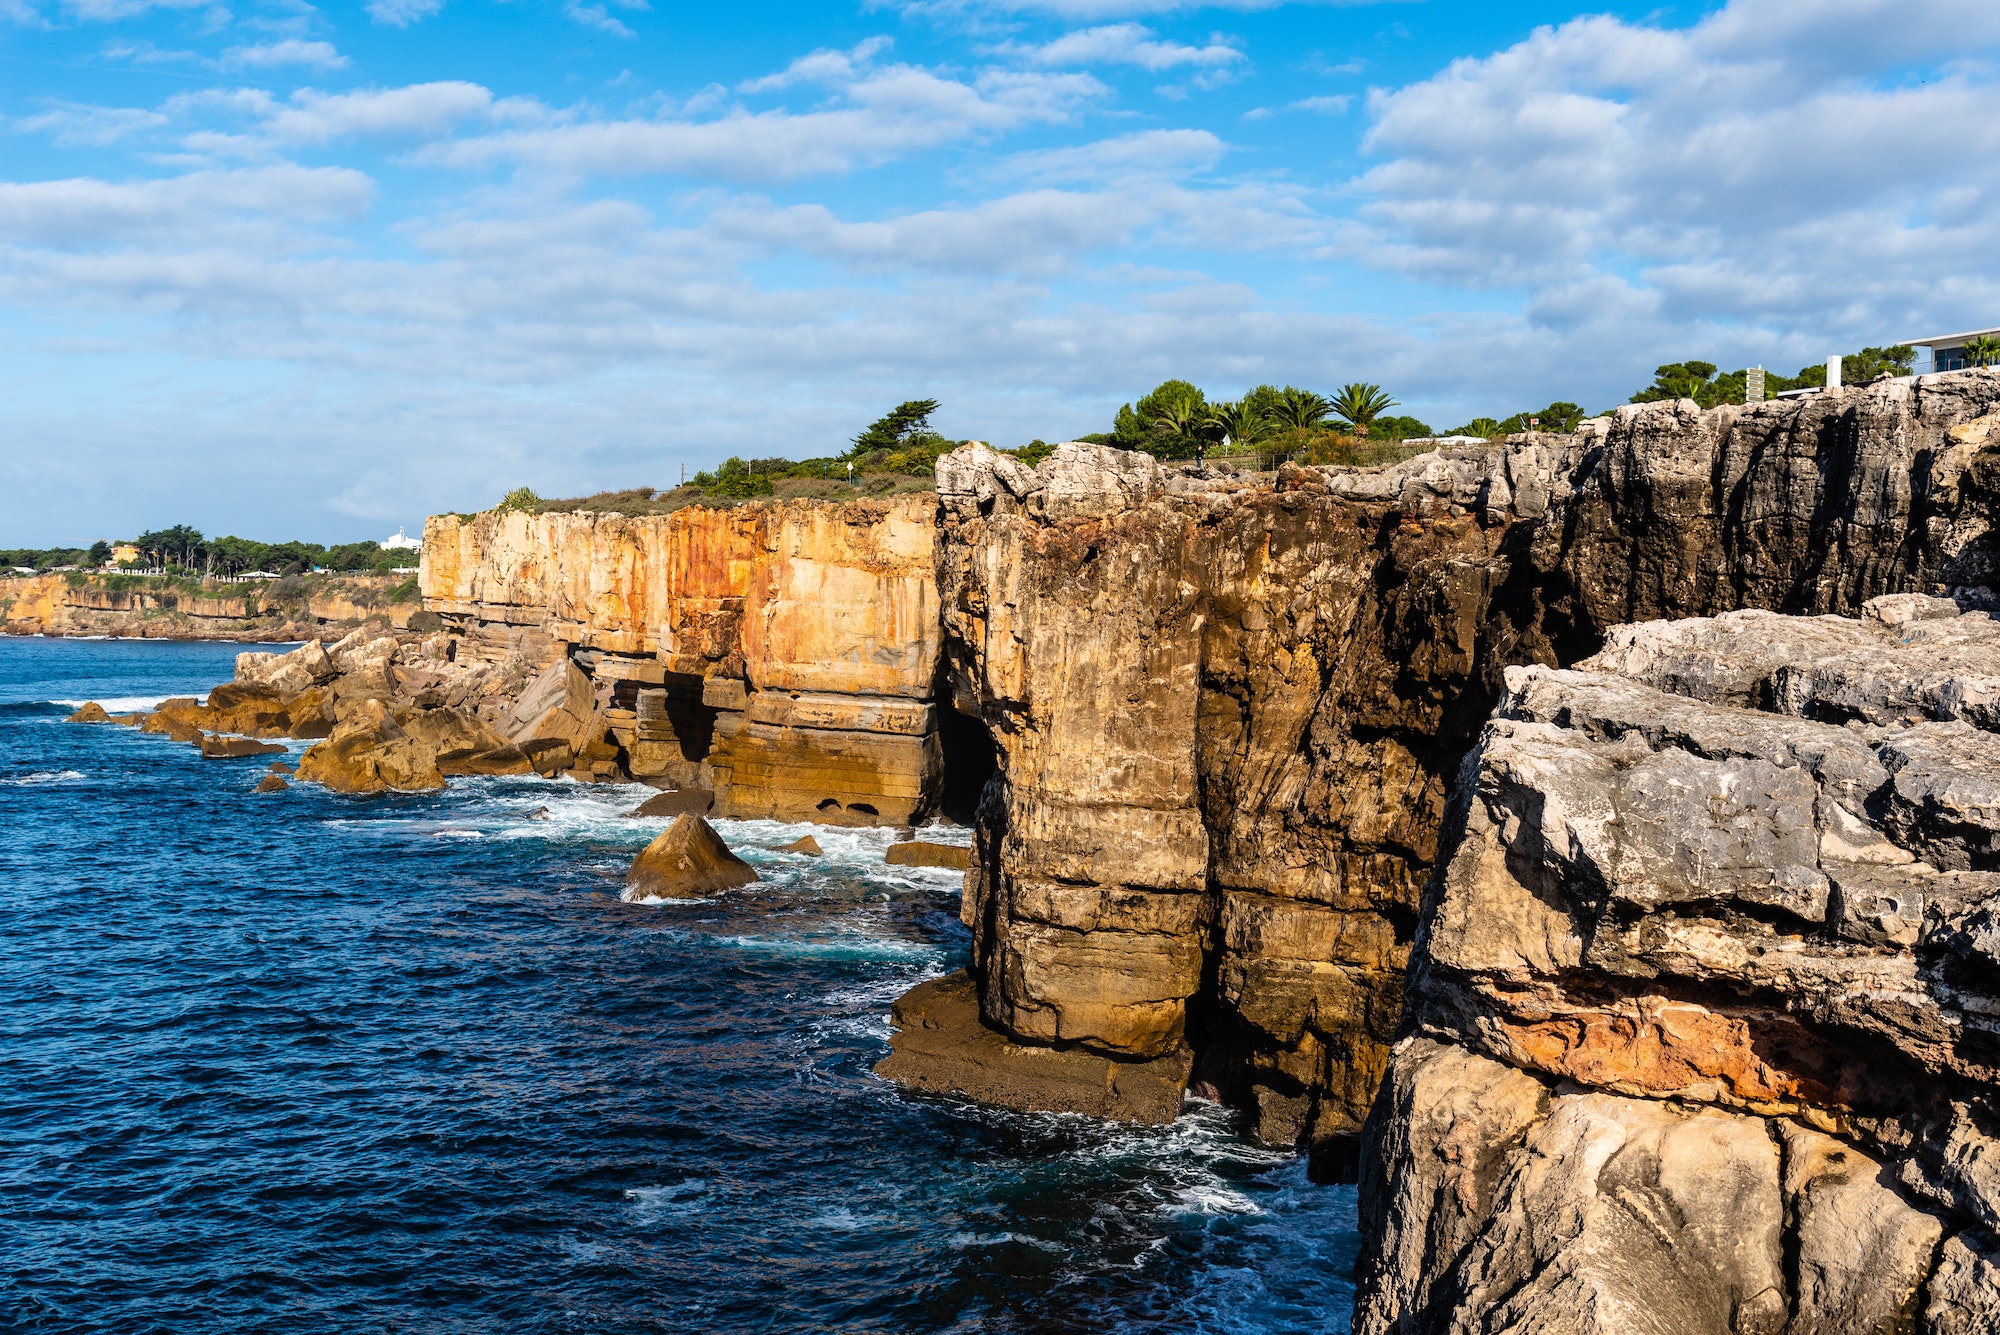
x=183, y=550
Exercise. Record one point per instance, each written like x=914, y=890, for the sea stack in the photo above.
x=689, y=861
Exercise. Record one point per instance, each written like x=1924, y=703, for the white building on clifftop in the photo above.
x=402, y=543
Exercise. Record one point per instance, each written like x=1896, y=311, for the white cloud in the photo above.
x=1335, y=105
x=890, y=111
x=73, y=126
x=598, y=17
x=1128, y=44
x=1697, y=180
x=291, y=51
x=416, y=111
x=84, y=214
x=822, y=67
x=402, y=13
x=1144, y=153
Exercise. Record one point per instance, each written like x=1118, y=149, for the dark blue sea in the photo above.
x=301, y=1063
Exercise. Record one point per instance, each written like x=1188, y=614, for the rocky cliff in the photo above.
x=143, y=607
x=1230, y=713
x=784, y=655
x=1704, y=1027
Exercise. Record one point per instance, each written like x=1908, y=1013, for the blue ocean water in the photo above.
x=309, y=1063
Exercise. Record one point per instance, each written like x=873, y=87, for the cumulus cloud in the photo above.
x=1128, y=44
x=82, y=214
x=291, y=51
x=1688, y=176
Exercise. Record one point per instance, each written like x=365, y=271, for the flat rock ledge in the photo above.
x=941, y=1047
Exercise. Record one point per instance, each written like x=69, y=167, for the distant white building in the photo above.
x=402, y=543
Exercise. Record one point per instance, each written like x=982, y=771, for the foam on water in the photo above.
x=407, y=1062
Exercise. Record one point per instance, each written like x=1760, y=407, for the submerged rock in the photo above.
x=942, y=1047
x=687, y=861
x=92, y=712
x=699, y=801
x=237, y=748
x=807, y=845
x=922, y=853
x=272, y=783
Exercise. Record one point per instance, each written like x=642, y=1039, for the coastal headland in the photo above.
x=1588, y=841
x=159, y=607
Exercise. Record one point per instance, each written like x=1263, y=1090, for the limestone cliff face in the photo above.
x=1703, y=1019
x=785, y=654
x=1231, y=714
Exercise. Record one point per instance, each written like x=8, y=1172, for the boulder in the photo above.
x=92, y=712
x=279, y=767
x=677, y=802
x=922, y=853
x=808, y=846
x=272, y=783
x=251, y=709
x=941, y=1046
x=172, y=723
x=368, y=752
x=289, y=673
x=236, y=748
x=688, y=861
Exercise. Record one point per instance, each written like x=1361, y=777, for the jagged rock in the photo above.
x=171, y=720
x=278, y=767
x=368, y=752
x=941, y=1046
x=236, y=748
x=288, y=673
x=806, y=845
x=1965, y=1289
x=687, y=861
x=92, y=712
x=674, y=803
x=1693, y=870
x=272, y=783
x=922, y=853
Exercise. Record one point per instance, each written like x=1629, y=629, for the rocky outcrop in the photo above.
x=1230, y=713
x=782, y=656
x=688, y=860
x=1702, y=1029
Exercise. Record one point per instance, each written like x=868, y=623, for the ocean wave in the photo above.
x=45, y=776
x=121, y=704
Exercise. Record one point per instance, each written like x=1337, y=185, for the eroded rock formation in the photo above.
x=1230, y=713
x=783, y=656
x=1704, y=1015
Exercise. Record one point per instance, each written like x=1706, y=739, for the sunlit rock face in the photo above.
x=1704, y=1027
x=784, y=655
x=1231, y=712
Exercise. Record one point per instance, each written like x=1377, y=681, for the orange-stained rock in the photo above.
x=92, y=712
x=368, y=752
x=797, y=596
x=236, y=748
x=272, y=783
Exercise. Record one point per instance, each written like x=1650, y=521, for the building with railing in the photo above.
x=1946, y=352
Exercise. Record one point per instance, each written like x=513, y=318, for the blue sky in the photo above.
x=278, y=269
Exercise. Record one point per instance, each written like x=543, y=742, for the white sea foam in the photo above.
x=121, y=704
x=963, y=1241
x=45, y=776
x=679, y=1199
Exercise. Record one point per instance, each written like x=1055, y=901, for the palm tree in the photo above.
x=1358, y=405
x=1300, y=410
x=1237, y=422
x=1179, y=420
x=1981, y=351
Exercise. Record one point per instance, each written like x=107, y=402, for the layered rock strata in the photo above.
x=128, y=607
x=783, y=656
x=1704, y=1028
x=1229, y=713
